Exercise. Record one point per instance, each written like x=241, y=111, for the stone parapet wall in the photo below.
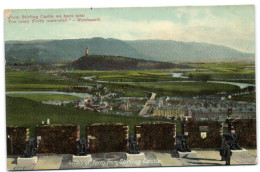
x=16, y=140
x=246, y=132
x=57, y=139
x=204, y=134
x=103, y=138
x=156, y=136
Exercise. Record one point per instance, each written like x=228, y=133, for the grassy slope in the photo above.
x=24, y=112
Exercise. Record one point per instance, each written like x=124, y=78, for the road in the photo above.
x=148, y=106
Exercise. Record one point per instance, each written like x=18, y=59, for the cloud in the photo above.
x=189, y=24
x=210, y=30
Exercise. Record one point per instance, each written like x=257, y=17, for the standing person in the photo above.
x=221, y=151
x=227, y=153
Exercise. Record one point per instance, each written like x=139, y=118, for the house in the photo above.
x=88, y=100
x=168, y=112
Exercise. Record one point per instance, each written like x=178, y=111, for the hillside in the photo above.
x=97, y=62
x=49, y=51
x=170, y=50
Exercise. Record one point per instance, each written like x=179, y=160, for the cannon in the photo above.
x=133, y=147
x=230, y=135
x=81, y=147
x=232, y=141
x=30, y=148
x=181, y=143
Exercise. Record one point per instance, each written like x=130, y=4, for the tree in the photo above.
x=200, y=77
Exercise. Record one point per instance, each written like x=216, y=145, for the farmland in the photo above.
x=225, y=71
x=186, y=88
x=137, y=83
x=45, y=97
x=125, y=76
x=29, y=81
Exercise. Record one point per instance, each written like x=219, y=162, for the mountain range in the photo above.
x=49, y=51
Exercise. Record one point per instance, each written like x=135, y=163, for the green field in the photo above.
x=225, y=75
x=34, y=78
x=30, y=81
x=26, y=81
x=224, y=71
x=186, y=88
x=34, y=87
x=221, y=65
x=36, y=81
x=125, y=75
x=45, y=97
x=28, y=113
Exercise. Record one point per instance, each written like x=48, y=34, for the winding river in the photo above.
x=241, y=85
x=174, y=75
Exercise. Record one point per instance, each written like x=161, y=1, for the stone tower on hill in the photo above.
x=87, y=52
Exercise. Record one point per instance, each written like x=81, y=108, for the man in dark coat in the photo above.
x=227, y=152
x=221, y=151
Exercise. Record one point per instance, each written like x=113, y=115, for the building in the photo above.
x=168, y=113
x=86, y=87
x=88, y=100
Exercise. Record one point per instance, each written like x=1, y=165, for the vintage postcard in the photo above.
x=130, y=87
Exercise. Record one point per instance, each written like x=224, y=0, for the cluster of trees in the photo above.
x=202, y=77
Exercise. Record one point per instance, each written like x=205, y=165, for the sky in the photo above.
x=232, y=26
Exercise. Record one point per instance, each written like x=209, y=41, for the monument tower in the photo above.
x=87, y=52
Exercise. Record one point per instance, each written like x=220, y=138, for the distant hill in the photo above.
x=168, y=50
x=49, y=51
x=97, y=62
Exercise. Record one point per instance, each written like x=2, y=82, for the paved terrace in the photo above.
x=151, y=159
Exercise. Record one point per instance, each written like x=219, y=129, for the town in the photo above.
x=197, y=108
